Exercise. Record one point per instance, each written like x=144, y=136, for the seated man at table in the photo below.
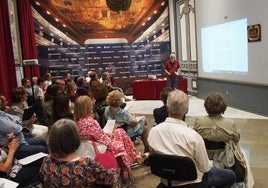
x=174, y=137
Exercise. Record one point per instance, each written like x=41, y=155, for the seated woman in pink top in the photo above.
x=118, y=142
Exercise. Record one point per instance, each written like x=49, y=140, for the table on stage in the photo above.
x=150, y=89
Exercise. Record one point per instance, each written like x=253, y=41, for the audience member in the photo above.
x=61, y=108
x=105, y=80
x=68, y=78
x=39, y=95
x=118, y=142
x=28, y=145
x=214, y=127
x=99, y=93
x=94, y=79
x=25, y=175
x=62, y=86
x=51, y=93
x=72, y=170
x=19, y=97
x=71, y=91
x=76, y=77
x=174, y=137
x=160, y=114
x=26, y=83
x=81, y=87
x=34, y=81
x=134, y=127
x=107, y=77
x=48, y=80
x=40, y=89
x=111, y=79
x=4, y=107
x=88, y=76
x=34, y=84
x=172, y=69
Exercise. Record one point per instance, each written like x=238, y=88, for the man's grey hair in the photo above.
x=177, y=103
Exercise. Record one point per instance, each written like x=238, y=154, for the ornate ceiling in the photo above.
x=92, y=19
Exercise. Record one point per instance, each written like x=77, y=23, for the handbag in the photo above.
x=239, y=170
x=239, y=167
x=107, y=159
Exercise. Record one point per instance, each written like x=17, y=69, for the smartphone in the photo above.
x=10, y=137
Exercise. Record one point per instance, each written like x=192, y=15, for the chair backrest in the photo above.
x=213, y=148
x=214, y=145
x=170, y=167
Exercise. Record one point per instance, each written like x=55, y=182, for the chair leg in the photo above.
x=169, y=184
x=144, y=138
x=161, y=185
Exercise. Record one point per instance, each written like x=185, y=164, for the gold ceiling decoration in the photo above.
x=118, y=5
x=93, y=19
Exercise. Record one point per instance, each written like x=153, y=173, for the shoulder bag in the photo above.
x=107, y=159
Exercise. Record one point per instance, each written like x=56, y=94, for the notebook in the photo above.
x=32, y=158
x=110, y=126
x=6, y=183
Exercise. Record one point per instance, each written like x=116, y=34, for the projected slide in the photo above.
x=224, y=48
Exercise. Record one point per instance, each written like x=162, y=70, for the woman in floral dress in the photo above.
x=118, y=142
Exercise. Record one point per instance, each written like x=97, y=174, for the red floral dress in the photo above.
x=120, y=144
x=78, y=173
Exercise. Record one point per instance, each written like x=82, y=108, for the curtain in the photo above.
x=7, y=65
x=27, y=37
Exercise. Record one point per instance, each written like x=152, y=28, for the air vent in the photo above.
x=29, y=62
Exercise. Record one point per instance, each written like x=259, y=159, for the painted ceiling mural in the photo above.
x=93, y=19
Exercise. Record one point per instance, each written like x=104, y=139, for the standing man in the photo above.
x=174, y=137
x=172, y=69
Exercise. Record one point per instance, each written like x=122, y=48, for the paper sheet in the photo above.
x=110, y=126
x=138, y=118
x=32, y=158
x=6, y=183
x=127, y=107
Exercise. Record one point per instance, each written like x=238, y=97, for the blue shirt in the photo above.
x=7, y=126
x=122, y=116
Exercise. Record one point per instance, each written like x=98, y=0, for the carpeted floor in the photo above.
x=254, y=141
